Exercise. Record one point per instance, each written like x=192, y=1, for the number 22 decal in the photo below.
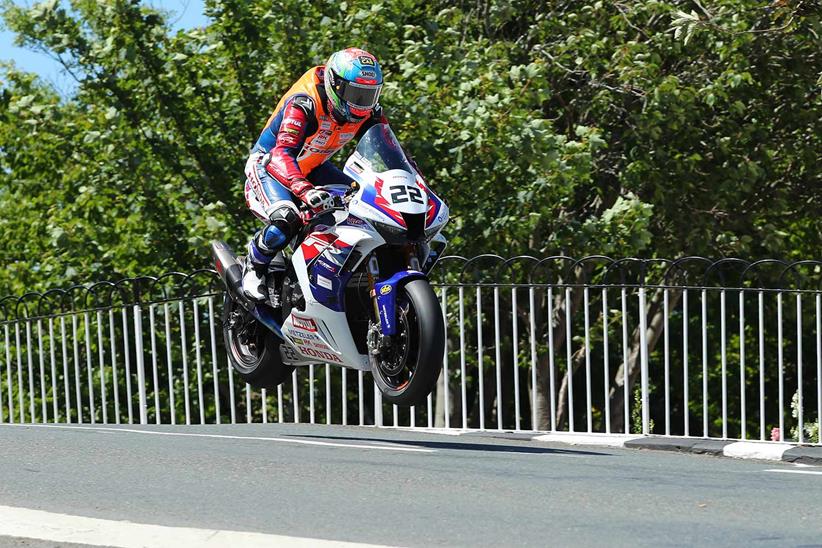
x=401, y=194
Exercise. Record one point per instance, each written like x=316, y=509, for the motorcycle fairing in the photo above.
x=387, y=298
x=327, y=289
x=372, y=195
x=436, y=247
x=375, y=201
x=265, y=314
x=434, y=205
x=326, y=251
x=309, y=339
x=331, y=341
x=326, y=280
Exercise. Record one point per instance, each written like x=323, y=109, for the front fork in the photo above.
x=373, y=275
x=413, y=263
x=384, y=293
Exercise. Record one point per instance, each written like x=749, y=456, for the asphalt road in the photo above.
x=405, y=488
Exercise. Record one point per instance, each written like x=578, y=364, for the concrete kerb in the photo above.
x=760, y=450
x=773, y=451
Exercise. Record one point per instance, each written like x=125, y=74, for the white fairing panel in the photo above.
x=319, y=333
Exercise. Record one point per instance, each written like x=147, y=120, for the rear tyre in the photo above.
x=407, y=370
x=253, y=350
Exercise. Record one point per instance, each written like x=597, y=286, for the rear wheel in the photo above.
x=407, y=368
x=253, y=350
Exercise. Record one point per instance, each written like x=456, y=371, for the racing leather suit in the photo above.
x=290, y=157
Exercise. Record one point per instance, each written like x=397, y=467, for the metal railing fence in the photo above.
x=724, y=349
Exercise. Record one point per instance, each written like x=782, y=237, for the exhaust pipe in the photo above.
x=229, y=268
x=231, y=272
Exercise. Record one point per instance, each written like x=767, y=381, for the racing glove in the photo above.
x=317, y=200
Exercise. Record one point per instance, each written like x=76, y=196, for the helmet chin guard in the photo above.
x=353, y=82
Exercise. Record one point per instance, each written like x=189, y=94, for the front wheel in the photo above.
x=407, y=368
x=253, y=350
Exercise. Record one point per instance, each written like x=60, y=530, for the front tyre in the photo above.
x=406, y=370
x=253, y=350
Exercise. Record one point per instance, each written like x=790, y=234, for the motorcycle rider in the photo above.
x=327, y=107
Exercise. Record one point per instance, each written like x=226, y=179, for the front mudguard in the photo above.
x=386, y=291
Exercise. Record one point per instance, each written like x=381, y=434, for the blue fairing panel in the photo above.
x=327, y=279
x=265, y=314
x=387, y=298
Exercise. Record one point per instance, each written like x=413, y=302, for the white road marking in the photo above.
x=401, y=448
x=54, y=527
x=786, y=471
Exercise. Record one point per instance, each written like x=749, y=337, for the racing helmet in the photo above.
x=353, y=81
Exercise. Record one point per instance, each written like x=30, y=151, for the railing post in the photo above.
x=141, y=372
x=723, y=343
x=643, y=352
x=444, y=374
x=569, y=366
x=800, y=427
x=8, y=375
x=377, y=406
x=463, y=394
x=2, y=412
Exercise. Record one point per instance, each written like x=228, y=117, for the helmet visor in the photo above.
x=359, y=95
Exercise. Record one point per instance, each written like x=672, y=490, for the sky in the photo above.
x=186, y=14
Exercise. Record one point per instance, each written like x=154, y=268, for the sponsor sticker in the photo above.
x=325, y=125
x=302, y=337
x=322, y=281
x=293, y=122
x=287, y=139
x=321, y=354
x=315, y=150
x=364, y=60
x=329, y=266
x=318, y=344
x=385, y=290
x=303, y=323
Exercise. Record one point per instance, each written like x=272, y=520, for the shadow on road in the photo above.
x=461, y=446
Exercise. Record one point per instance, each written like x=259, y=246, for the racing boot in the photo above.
x=254, y=280
x=284, y=222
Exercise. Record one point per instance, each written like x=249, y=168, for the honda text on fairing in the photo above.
x=354, y=291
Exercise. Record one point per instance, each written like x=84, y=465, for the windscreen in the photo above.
x=380, y=147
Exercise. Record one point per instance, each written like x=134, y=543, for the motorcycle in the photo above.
x=354, y=290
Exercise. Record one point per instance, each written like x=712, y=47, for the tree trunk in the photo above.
x=655, y=326
x=563, y=413
x=558, y=326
